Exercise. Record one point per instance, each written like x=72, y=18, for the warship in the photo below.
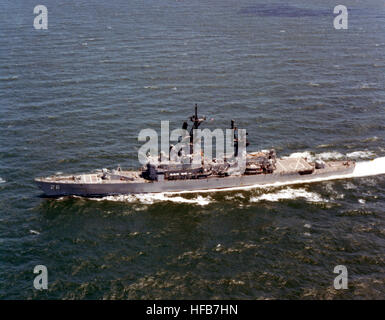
x=261, y=168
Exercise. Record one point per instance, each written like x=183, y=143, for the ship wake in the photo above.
x=290, y=194
x=369, y=168
x=151, y=198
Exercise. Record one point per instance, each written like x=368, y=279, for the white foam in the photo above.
x=330, y=155
x=151, y=87
x=360, y=155
x=2, y=180
x=371, y=139
x=305, y=154
x=349, y=186
x=289, y=194
x=150, y=198
x=369, y=168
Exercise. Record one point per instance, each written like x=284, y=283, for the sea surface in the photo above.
x=74, y=97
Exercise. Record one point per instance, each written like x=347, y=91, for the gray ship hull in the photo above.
x=54, y=188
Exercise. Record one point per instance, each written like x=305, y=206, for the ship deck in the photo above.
x=292, y=165
x=123, y=177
